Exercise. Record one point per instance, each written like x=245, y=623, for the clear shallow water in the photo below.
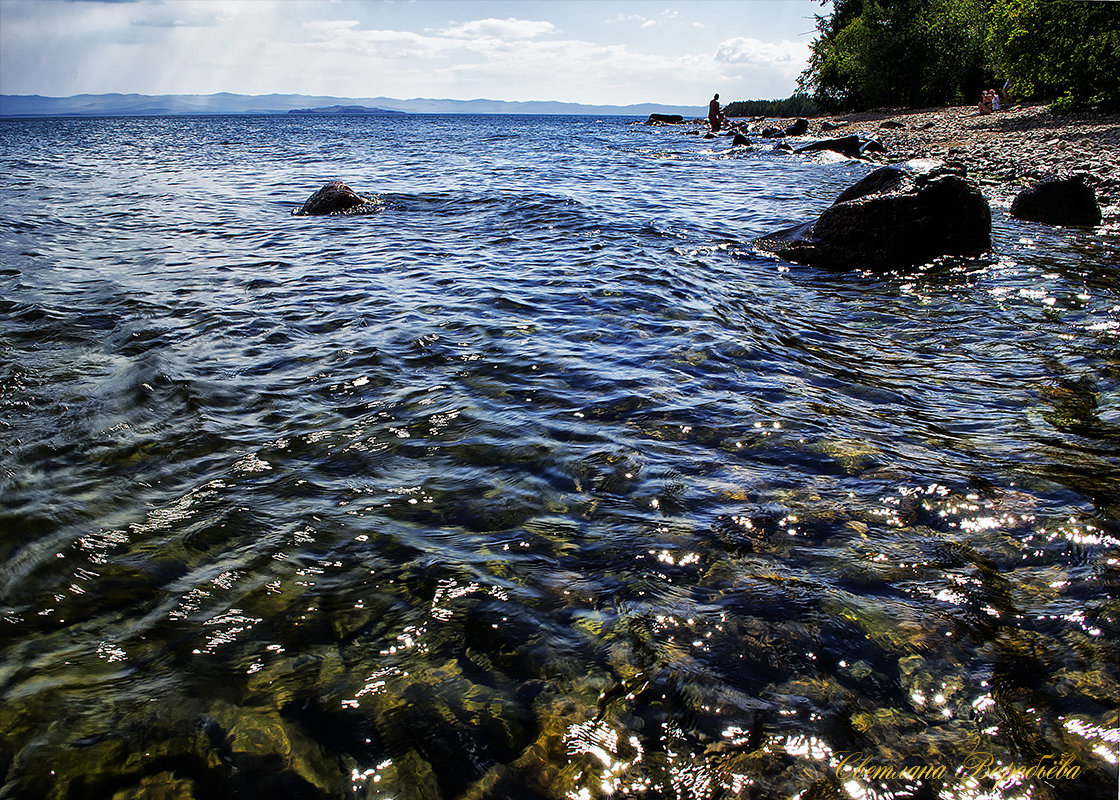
x=537, y=483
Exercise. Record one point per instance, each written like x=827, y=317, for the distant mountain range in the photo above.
x=98, y=105
x=343, y=110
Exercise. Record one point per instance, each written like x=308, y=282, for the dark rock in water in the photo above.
x=784, y=146
x=851, y=146
x=891, y=218
x=878, y=182
x=891, y=123
x=667, y=119
x=799, y=128
x=334, y=198
x=829, y=125
x=709, y=135
x=1058, y=201
x=740, y=141
x=772, y=133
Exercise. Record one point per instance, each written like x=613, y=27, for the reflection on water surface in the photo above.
x=536, y=483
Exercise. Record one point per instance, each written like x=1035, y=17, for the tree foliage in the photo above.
x=898, y=53
x=913, y=53
x=1058, y=50
x=799, y=105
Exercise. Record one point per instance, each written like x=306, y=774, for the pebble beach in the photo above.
x=1012, y=148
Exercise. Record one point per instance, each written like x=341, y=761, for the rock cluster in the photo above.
x=1017, y=147
x=1020, y=146
x=892, y=218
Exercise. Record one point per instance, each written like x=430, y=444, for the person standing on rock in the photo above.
x=713, y=113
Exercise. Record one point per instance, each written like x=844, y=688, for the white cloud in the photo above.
x=498, y=29
x=354, y=48
x=644, y=21
x=786, y=57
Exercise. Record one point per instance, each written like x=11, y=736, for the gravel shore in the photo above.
x=1012, y=148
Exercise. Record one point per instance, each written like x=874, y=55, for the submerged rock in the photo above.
x=891, y=218
x=1058, y=201
x=335, y=198
x=740, y=141
x=666, y=119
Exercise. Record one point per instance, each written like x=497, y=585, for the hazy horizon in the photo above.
x=616, y=53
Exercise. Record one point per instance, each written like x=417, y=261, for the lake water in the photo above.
x=537, y=482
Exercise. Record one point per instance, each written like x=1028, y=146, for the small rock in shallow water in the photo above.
x=799, y=128
x=334, y=198
x=1058, y=201
x=851, y=146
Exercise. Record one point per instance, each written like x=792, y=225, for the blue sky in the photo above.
x=586, y=51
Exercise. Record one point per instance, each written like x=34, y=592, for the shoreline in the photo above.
x=1013, y=148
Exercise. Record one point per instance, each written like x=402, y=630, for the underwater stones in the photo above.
x=263, y=746
x=412, y=777
x=892, y=218
x=1058, y=201
x=164, y=786
x=334, y=198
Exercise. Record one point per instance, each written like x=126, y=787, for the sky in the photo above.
x=614, y=52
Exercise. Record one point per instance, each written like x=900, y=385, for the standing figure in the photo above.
x=713, y=113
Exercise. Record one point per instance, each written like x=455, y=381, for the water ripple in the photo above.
x=535, y=482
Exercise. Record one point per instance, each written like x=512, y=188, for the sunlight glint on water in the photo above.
x=536, y=482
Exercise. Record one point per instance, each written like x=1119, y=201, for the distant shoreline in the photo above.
x=136, y=105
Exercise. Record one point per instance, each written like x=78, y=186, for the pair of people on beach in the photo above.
x=993, y=100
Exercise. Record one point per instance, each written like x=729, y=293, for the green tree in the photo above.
x=894, y=53
x=798, y=105
x=1058, y=50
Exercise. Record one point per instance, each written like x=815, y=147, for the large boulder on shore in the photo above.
x=1058, y=201
x=335, y=198
x=891, y=218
